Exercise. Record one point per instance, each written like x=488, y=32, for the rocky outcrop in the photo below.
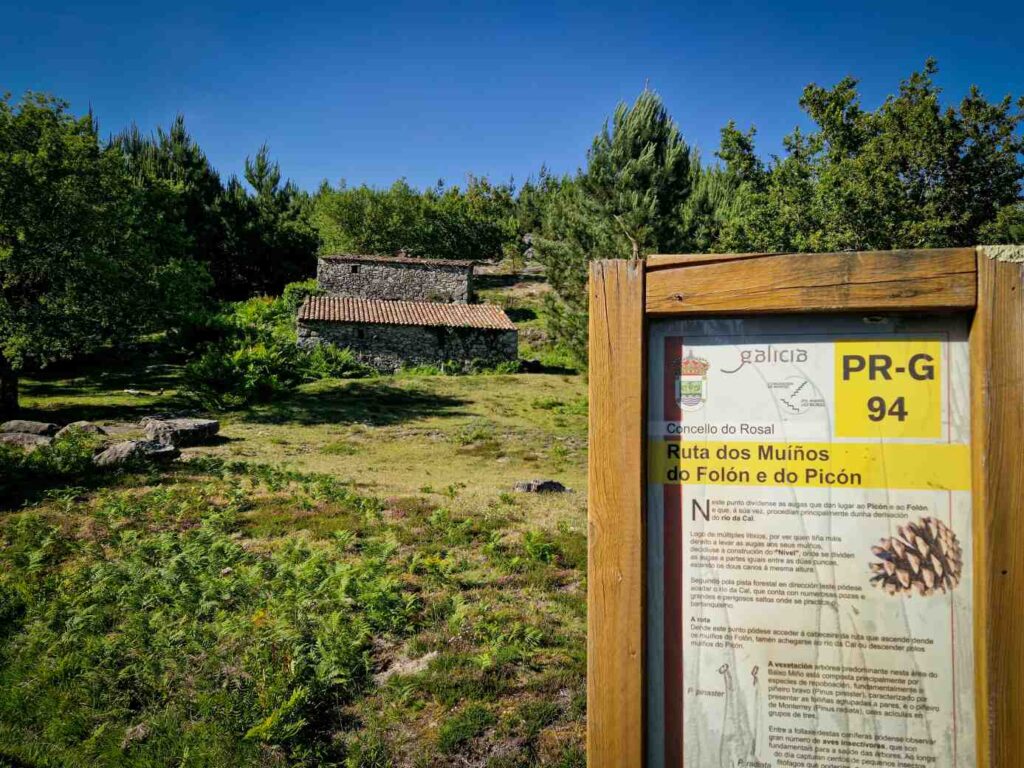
x=81, y=426
x=181, y=432
x=24, y=440
x=135, y=450
x=540, y=486
x=29, y=427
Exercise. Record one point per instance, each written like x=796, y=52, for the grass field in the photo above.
x=346, y=578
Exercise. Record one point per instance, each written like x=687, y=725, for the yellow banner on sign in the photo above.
x=888, y=388
x=936, y=467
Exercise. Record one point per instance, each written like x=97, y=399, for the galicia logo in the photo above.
x=770, y=354
x=692, y=383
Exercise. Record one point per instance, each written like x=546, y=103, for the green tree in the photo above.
x=269, y=234
x=173, y=157
x=441, y=222
x=909, y=174
x=533, y=199
x=638, y=175
x=86, y=257
x=711, y=206
x=251, y=243
x=627, y=203
x=1006, y=227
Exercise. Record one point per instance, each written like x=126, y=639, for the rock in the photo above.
x=81, y=426
x=30, y=427
x=134, y=733
x=133, y=450
x=182, y=432
x=540, y=486
x=24, y=440
x=405, y=666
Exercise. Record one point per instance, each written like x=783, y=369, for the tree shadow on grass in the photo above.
x=130, y=412
x=376, y=403
x=150, y=378
x=120, y=391
x=521, y=314
x=485, y=282
x=19, y=490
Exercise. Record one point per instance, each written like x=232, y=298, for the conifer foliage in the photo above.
x=627, y=203
x=913, y=173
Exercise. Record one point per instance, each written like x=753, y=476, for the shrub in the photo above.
x=225, y=378
x=260, y=320
x=503, y=368
x=329, y=362
x=539, y=547
x=296, y=293
x=205, y=328
x=256, y=357
x=459, y=368
x=66, y=460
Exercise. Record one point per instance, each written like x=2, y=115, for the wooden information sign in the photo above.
x=806, y=515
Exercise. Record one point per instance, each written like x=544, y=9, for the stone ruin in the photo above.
x=395, y=312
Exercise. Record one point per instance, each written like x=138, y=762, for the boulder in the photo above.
x=24, y=440
x=30, y=427
x=182, y=432
x=133, y=450
x=540, y=486
x=81, y=426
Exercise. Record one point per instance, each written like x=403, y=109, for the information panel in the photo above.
x=809, y=543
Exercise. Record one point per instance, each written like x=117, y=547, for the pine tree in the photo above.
x=269, y=233
x=638, y=175
x=88, y=255
x=626, y=204
x=174, y=158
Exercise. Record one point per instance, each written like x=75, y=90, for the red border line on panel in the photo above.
x=672, y=531
x=952, y=613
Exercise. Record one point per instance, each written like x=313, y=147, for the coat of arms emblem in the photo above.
x=692, y=383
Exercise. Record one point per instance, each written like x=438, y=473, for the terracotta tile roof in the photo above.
x=340, y=309
x=354, y=257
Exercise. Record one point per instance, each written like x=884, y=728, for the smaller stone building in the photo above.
x=396, y=278
x=388, y=335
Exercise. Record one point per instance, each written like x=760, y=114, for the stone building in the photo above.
x=397, y=312
x=396, y=278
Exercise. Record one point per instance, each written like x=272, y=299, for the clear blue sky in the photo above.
x=370, y=92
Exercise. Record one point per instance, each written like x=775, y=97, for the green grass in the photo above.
x=390, y=436
x=345, y=578
x=463, y=726
x=235, y=614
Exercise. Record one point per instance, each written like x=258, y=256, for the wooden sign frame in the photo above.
x=985, y=283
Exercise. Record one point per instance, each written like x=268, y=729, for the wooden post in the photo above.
x=615, y=587
x=984, y=283
x=997, y=363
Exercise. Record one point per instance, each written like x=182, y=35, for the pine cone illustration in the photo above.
x=925, y=557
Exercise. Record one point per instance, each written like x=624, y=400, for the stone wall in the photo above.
x=390, y=347
x=395, y=280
